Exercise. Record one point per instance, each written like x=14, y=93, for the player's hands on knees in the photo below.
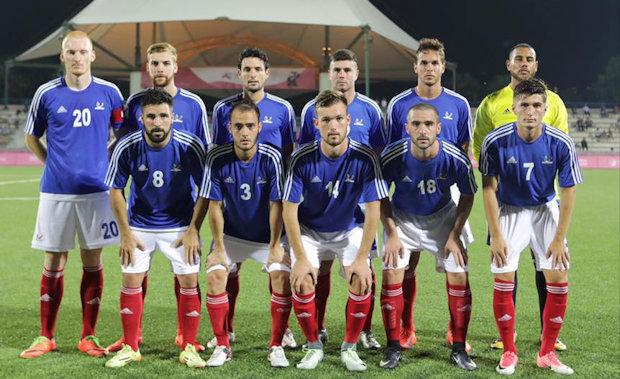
x=301, y=268
x=217, y=257
x=190, y=240
x=360, y=268
x=499, y=251
x=455, y=246
x=277, y=255
x=393, y=249
x=126, y=250
x=557, y=250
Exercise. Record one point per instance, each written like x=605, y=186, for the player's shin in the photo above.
x=52, y=289
x=459, y=302
x=373, y=290
x=357, y=311
x=391, y=309
x=410, y=290
x=131, y=314
x=91, y=289
x=504, y=310
x=323, y=287
x=553, y=315
x=233, y=285
x=189, y=304
x=305, y=310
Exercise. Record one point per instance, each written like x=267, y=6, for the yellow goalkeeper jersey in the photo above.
x=495, y=110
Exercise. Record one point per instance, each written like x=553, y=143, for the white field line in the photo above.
x=19, y=181
x=18, y=198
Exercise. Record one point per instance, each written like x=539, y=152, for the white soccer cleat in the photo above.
x=288, y=340
x=277, y=357
x=551, y=361
x=213, y=343
x=507, y=363
x=311, y=359
x=220, y=355
x=369, y=341
x=353, y=362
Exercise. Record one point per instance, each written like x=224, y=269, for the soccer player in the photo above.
x=456, y=128
x=422, y=216
x=519, y=162
x=243, y=182
x=75, y=111
x=189, y=114
x=278, y=125
x=495, y=110
x=366, y=128
x=163, y=163
x=332, y=176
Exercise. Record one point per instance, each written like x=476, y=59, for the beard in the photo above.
x=151, y=135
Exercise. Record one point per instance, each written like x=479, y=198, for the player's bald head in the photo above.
x=422, y=107
x=77, y=34
x=244, y=105
x=520, y=46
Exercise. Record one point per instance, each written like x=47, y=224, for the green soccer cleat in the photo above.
x=125, y=356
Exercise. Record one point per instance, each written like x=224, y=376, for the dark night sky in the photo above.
x=574, y=39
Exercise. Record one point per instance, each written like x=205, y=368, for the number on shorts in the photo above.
x=428, y=188
x=158, y=178
x=247, y=195
x=530, y=167
x=109, y=230
x=332, y=189
x=82, y=117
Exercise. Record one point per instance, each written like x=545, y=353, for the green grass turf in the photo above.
x=591, y=330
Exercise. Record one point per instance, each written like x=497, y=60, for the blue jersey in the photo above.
x=162, y=188
x=245, y=188
x=77, y=124
x=276, y=115
x=454, y=115
x=333, y=188
x=366, y=122
x=188, y=111
x=526, y=170
x=423, y=187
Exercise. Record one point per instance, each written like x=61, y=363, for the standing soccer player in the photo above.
x=243, y=183
x=163, y=163
x=189, y=114
x=75, y=111
x=278, y=126
x=519, y=162
x=494, y=111
x=332, y=176
x=455, y=117
x=366, y=128
x=422, y=216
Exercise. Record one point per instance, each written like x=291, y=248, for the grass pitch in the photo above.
x=591, y=331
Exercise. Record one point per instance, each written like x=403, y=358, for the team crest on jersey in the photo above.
x=178, y=118
x=359, y=122
x=99, y=106
x=260, y=180
x=61, y=109
x=316, y=179
x=268, y=120
x=406, y=179
x=547, y=160
x=512, y=160
x=349, y=178
x=176, y=167
x=229, y=180
x=143, y=168
x=448, y=116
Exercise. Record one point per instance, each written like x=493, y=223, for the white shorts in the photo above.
x=164, y=241
x=528, y=226
x=60, y=217
x=427, y=233
x=238, y=250
x=326, y=246
x=466, y=234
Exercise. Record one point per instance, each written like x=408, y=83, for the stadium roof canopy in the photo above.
x=210, y=33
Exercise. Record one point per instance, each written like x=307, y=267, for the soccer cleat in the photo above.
x=323, y=336
x=369, y=341
x=391, y=358
x=288, y=340
x=277, y=357
x=190, y=357
x=38, y=347
x=350, y=359
x=311, y=359
x=499, y=345
x=213, y=343
x=450, y=340
x=125, y=356
x=116, y=346
x=463, y=360
x=91, y=346
x=507, y=364
x=220, y=355
x=178, y=340
x=407, y=338
x=551, y=361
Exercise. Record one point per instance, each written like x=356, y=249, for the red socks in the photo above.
x=553, y=315
x=322, y=289
x=504, y=310
x=373, y=291
x=91, y=289
x=131, y=314
x=189, y=308
x=232, y=289
x=410, y=290
x=392, y=309
x=218, y=306
x=280, y=312
x=305, y=310
x=357, y=312
x=459, y=303
x=52, y=288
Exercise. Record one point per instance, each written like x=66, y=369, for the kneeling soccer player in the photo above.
x=422, y=216
x=519, y=162
x=161, y=162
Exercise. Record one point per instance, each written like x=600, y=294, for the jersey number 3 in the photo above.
x=247, y=195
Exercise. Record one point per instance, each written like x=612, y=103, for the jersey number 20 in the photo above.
x=82, y=117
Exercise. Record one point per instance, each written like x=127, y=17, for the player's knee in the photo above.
x=457, y=278
x=393, y=276
x=555, y=276
x=280, y=281
x=55, y=261
x=307, y=286
x=188, y=280
x=216, y=281
x=90, y=258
